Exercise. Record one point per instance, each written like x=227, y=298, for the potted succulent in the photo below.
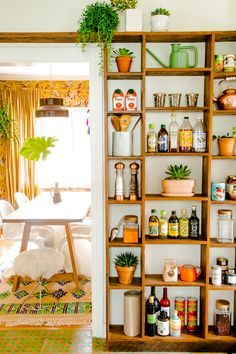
x=97, y=24
x=125, y=264
x=123, y=58
x=36, y=148
x=133, y=16
x=177, y=182
x=226, y=143
x=160, y=19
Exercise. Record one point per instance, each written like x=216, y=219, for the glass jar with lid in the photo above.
x=225, y=226
x=222, y=318
x=130, y=229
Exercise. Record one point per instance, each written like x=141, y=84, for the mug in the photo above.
x=188, y=272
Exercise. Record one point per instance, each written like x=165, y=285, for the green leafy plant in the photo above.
x=177, y=172
x=121, y=52
x=97, y=24
x=127, y=259
x=8, y=128
x=227, y=135
x=121, y=5
x=38, y=147
x=160, y=11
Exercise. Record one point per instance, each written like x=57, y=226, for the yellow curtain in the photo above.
x=20, y=173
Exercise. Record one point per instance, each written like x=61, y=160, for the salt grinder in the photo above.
x=133, y=190
x=119, y=183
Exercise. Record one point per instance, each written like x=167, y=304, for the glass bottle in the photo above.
x=173, y=134
x=151, y=317
x=151, y=139
x=175, y=324
x=153, y=224
x=162, y=140
x=185, y=136
x=163, y=225
x=225, y=226
x=199, y=136
x=173, y=226
x=183, y=224
x=163, y=324
x=156, y=303
x=194, y=224
x=165, y=302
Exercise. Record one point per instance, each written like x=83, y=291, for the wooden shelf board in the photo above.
x=114, y=284
x=213, y=336
x=125, y=157
x=118, y=242
x=124, y=76
x=177, y=71
x=128, y=37
x=131, y=113
x=173, y=109
x=196, y=197
x=214, y=243
x=223, y=74
x=183, y=37
x=176, y=154
x=225, y=36
x=157, y=280
x=184, y=337
x=221, y=287
x=125, y=201
x=225, y=112
x=178, y=241
x=116, y=333
x=219, y=157
x=227, y=201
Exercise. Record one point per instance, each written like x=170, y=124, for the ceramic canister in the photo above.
x=218, y=191
x=122, y=143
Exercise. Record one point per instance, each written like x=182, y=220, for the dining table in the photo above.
x=41, y=210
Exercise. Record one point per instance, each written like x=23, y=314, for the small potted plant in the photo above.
x=226, y=143
x=125, y=264
x=133, y=16
x=177, y=182
x=123, y=58
x=160, y=19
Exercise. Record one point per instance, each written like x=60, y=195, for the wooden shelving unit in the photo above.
x=205, y=335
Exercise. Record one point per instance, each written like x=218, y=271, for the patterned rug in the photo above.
x=61, y=305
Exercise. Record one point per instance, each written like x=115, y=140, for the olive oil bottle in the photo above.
x=173, y=227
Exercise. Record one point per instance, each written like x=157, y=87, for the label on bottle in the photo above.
x=163, y=225
x=166, y=309
x=163, y=328
x=175, y=326
x=183, y=228
x=151, y=142
x=151, y=318
x=199, y=141
x=185, y=139
x=194, y=228
x=173, y=229
x=153, y=228
x=162, y=143
x=173, y=140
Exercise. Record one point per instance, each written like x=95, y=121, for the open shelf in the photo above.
x=171, y=241
x=115, y=284
x=225, y=112
x=124, y=76
x=118, y=242
x=224, y=74
x=131, y=113
x=137, y=157
x=197, y=197
x=227, y=201
x=125, y=201
x=221, y=287
x=176, y=109
x=212, y=336
x=185, y=336
x=214, y=243
x=157, y=280
x=219, y=157
x=177, y=154
x=116, y=333
x=177, y=71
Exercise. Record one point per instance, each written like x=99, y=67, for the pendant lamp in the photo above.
x=51, y=107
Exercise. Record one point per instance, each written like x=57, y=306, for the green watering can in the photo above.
x=178, y=56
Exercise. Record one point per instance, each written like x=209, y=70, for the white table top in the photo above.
x=73, y=208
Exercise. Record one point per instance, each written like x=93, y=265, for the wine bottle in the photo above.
x=151, y=317
x=165, y=302
x=194, y=224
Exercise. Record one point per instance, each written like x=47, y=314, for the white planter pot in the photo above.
x=159, y=23
x=133, y=20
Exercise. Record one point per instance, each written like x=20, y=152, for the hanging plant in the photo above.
x=122, y=5
x=8, y=129
x=97, y=24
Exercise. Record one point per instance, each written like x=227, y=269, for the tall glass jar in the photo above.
x=225, y=226
x=130, y=229
x=222, y=318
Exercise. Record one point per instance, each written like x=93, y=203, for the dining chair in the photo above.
x=83, y=249
x=47, y=232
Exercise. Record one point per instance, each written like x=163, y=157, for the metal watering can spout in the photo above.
x=156, y=58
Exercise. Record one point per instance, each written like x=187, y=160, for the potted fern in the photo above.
x=160, y=19
x=125, y=264
x=133, y=16
x=177, y=182
x=123, y=58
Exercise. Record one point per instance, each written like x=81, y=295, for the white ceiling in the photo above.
x=44, y=71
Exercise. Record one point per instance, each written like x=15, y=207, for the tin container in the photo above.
x=192, y=305
x=180, y=307
x=231, y=279
x=222, y=261
x=229, y=64
x=231, y=187
x=216, y=275
x=219, y=63
x=218, y=191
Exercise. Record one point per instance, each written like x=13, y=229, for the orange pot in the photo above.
x=226, y=146
x=124, y=63
x=125, y=274
x=188, y=272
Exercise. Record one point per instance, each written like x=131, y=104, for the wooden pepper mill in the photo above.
x=133, y=190
x=119, y=183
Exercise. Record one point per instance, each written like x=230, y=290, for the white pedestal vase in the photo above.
x=159, y=23
x=133, y=20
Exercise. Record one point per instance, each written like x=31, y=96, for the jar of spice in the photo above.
x=222, y=318
x=231, y=187
x=225, y=226
x=130, y=229
x=223, y=263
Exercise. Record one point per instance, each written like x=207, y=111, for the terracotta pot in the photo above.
x=226, y=146
x=178, y=187
x=124, y=63
x=125, y=274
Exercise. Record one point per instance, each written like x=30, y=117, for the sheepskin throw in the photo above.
x=39, y=263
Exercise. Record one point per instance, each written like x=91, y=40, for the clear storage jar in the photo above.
x=130, y=229
x=222, y=318
x=225, y=226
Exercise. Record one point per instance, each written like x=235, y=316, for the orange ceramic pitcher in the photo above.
x=188, y=272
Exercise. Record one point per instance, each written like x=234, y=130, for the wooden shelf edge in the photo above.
x=157, y=280
x=214, y=243
x=196, y=197
x=178, y=241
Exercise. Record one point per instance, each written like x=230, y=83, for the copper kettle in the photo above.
x=227, y=99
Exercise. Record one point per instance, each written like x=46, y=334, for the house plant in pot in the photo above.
x=125, y=264
x=226, y=143
x=160, y=20
x=133, y=16
x=123, y=58
x=177, y=182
